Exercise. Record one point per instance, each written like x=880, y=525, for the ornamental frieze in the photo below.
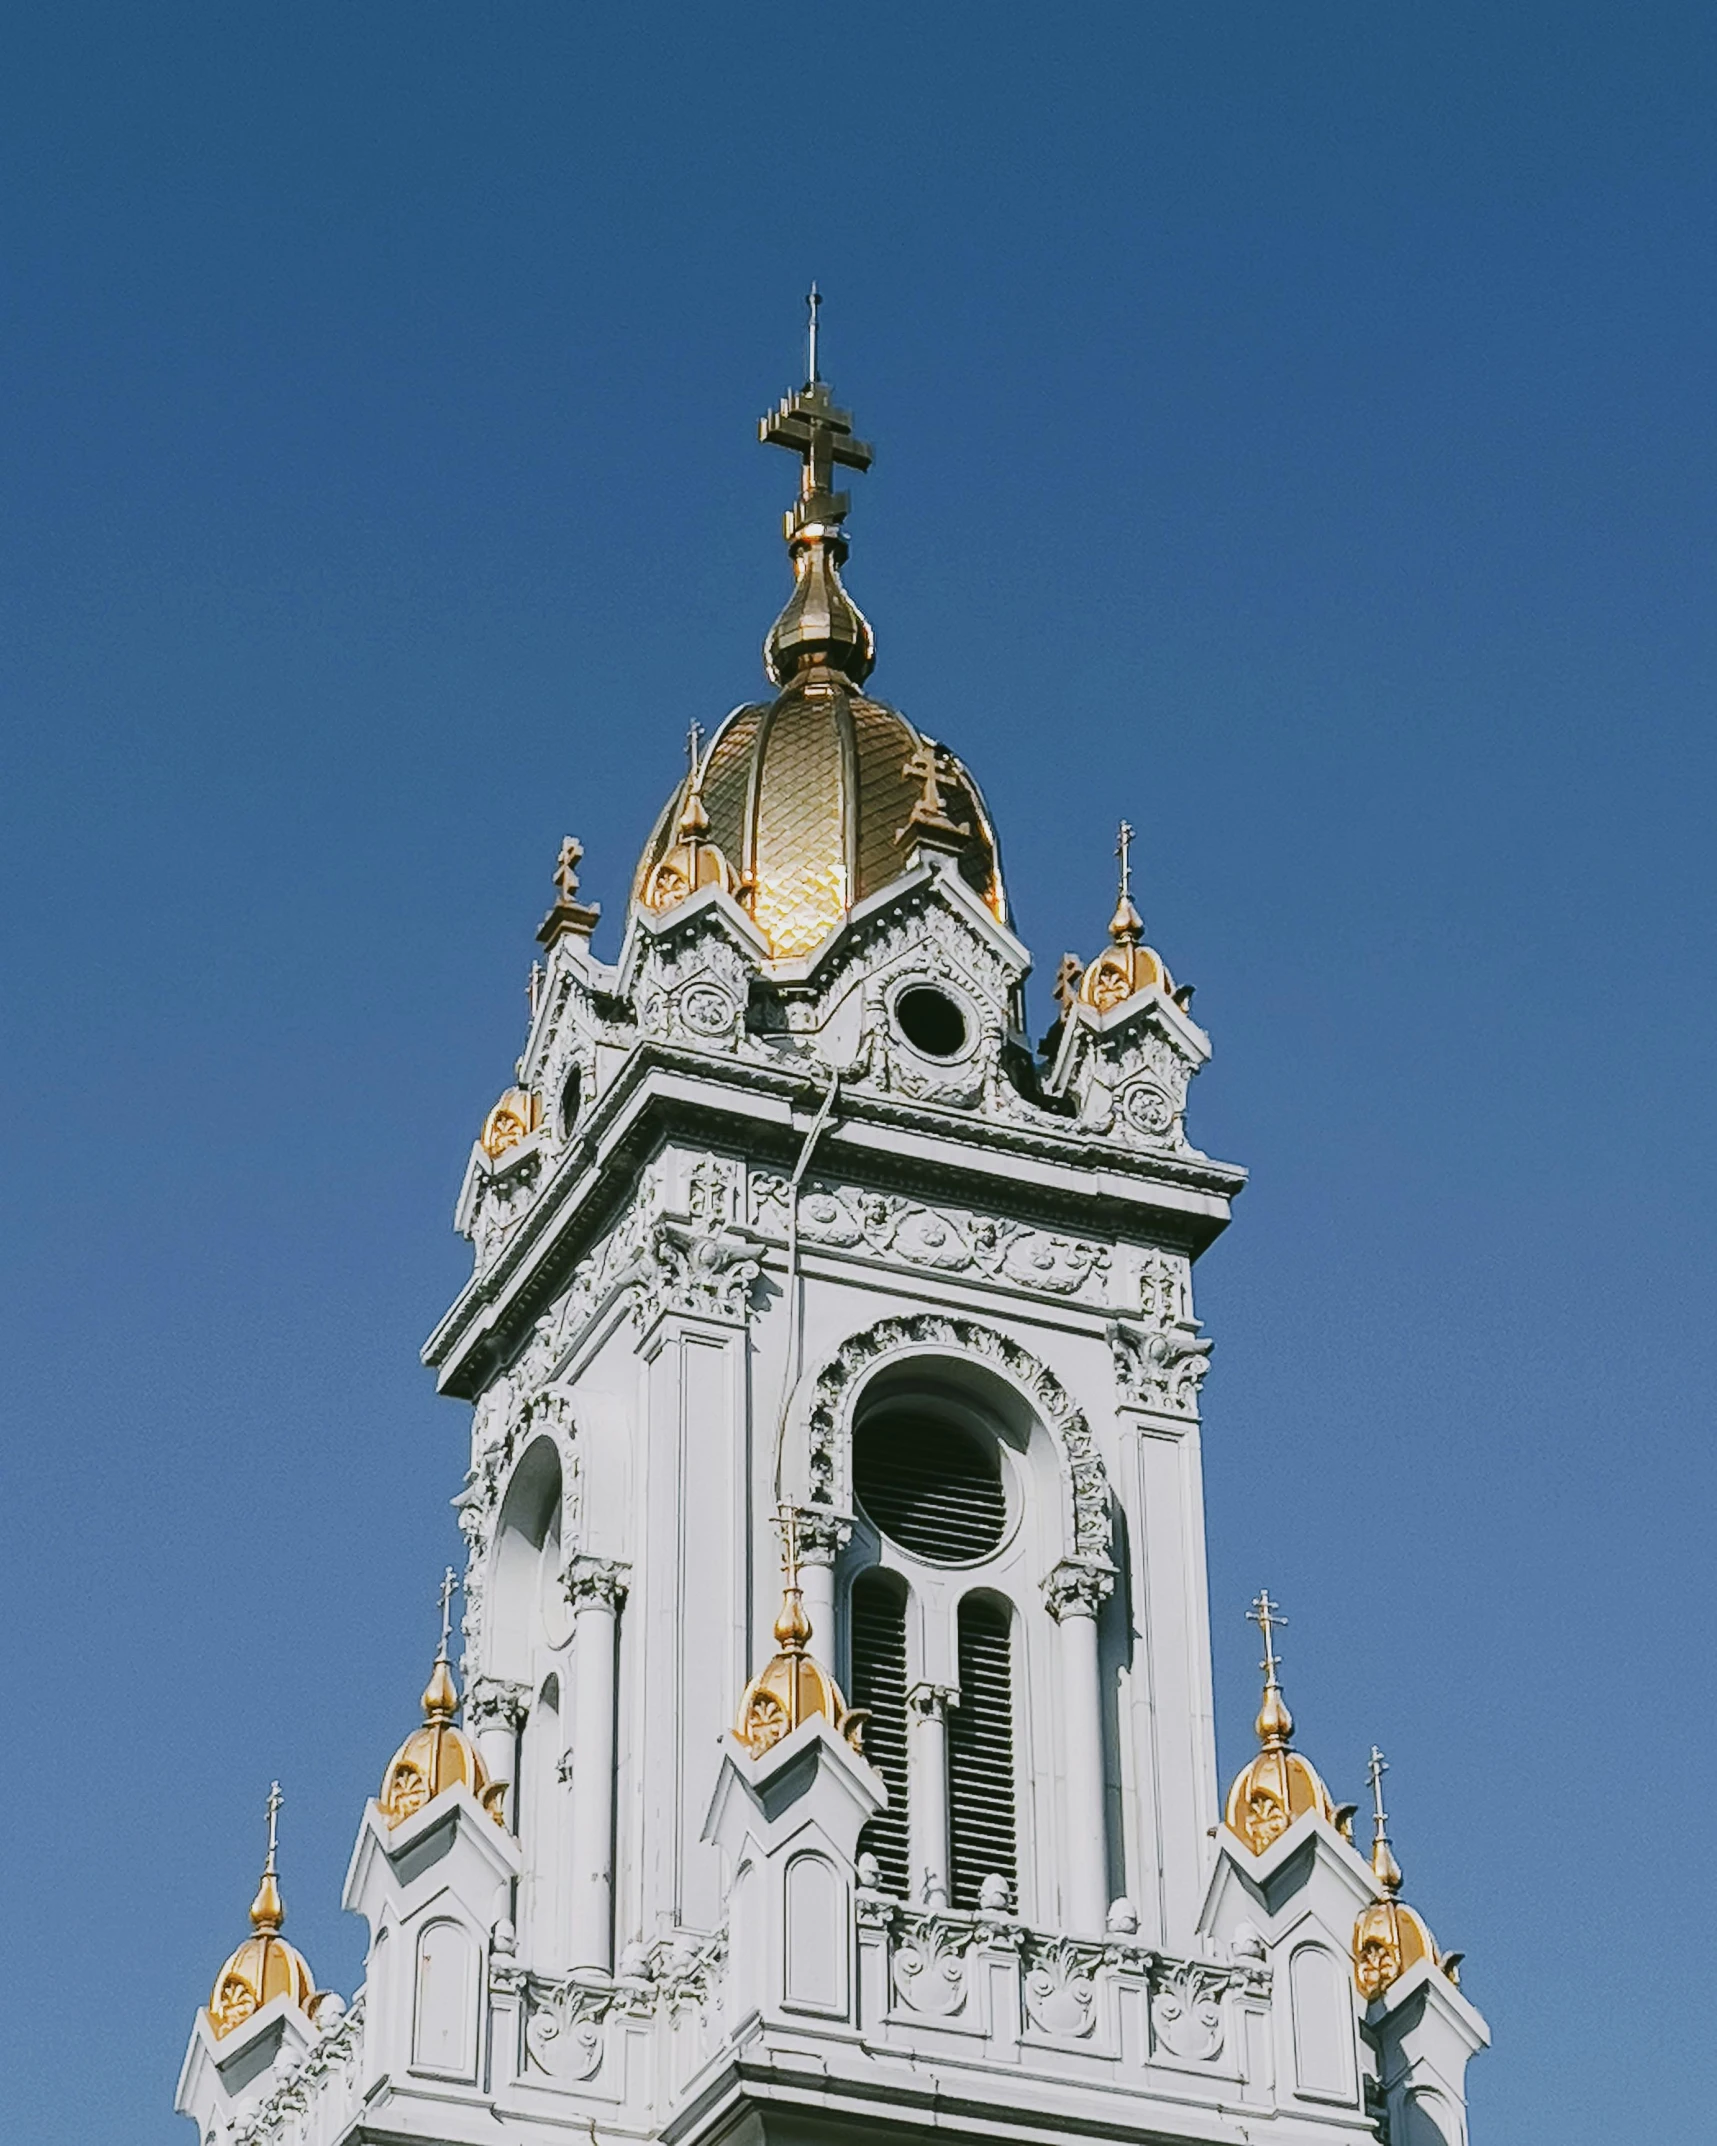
x=952, y=1241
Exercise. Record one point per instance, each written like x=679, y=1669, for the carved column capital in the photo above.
x=497, y=1702
x=1077, y=1589
x=821, y=1533
x=595, y=1582
x=930, y=1702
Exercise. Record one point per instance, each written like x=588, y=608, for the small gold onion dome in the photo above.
x=791, y=1686
x=1126, y=964
x=1389, y=1936
x=265, y=1966
x=1278, y=1786
x=439, y=1754
x=514, y=1118
x=812, y=803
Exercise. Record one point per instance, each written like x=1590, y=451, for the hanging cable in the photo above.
x=792, y=1362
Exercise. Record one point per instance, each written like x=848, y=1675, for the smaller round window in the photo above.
x=930, y=1021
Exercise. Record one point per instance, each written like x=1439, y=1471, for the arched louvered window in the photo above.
x=931, y=1486
x=878, y=1628
x=982, y=1837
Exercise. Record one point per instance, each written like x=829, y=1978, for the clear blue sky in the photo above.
x=1295, y=429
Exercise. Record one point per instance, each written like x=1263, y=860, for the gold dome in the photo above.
x=1389, y=1937
x=805, y=805
x=812, y=803
x=1126, y=965
x=1278, y=1786
x=439, y=1754
x=791, y=1687
x=514, y=1118
x=265, y=1966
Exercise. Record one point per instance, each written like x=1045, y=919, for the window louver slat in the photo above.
x=930, y=1488
x=879, y=1683
x=980, y=1757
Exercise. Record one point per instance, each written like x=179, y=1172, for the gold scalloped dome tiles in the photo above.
x=811, y=803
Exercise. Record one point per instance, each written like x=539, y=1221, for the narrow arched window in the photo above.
x=982, y=1834
x=878, y=1628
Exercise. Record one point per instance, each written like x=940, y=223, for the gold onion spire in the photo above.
x=1389, y=1936
x=820, y=622
x=1279, y=1786
x=265, y=1966
x=1126, y=964
x=439, y=1755
x=791, y=1686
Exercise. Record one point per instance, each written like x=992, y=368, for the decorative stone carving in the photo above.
x=1059, y=1980
x=565, y=2027
x=1187, y=2009
x=930, y=1702
x=930, y=1964
x=820, y=1535
x=1162, y=1370
x=828, y=1429
x=596, y=1579
x=949, y=1240
x=1075, y=1589
x=705, y=1274
x=498, y=1702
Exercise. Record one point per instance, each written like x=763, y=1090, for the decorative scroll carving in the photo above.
x=1060, y=1985
x=828, y=1431
x=1162, y=1370
x=1186, y=2008
x=930, y=1964
x=952, y=1242
x=497, y=1701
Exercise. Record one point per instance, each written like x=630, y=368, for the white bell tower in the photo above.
x=837, y=1748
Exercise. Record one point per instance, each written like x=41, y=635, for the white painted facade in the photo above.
x=768, y=1214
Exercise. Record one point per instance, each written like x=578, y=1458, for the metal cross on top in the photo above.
x=1374, y=1773
x=448, y=1583
x=275, y=1799
x=1267, y=1616
x=1124, y=850
x=809, y=424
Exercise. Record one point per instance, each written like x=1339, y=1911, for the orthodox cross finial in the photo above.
x=275, y=1799
x=1267, y=1616
x=1067, y=982
x=822, y=436
x=566, y=868
x=1126, y=926
x=1383, y=1864
x=694, y=737
x=449, y=1582
x=1274, y=1724
x=929, y=820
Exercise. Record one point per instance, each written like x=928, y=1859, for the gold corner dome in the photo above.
x=438, y=1755
x=1278, y=1785
x=810, y=804
x=1126, y=965
x=265, y=1966
x=1389, y=1937
x=791, y=1686
x=514, y=1118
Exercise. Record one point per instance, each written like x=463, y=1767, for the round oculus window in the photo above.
x=930, y=1486
x=930, y=1021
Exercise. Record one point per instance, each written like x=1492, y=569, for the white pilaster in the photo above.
x=1074, y=1593
x=596, y=1589
x=927, y=1806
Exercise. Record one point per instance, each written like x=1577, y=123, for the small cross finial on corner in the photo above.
x=275, y=1799
x=1124, y=850
x=1067, y=979
x=449, y=1581
x=566, y=868
x=1267, y=1616
x=694, y=738
x=1374, y=1772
